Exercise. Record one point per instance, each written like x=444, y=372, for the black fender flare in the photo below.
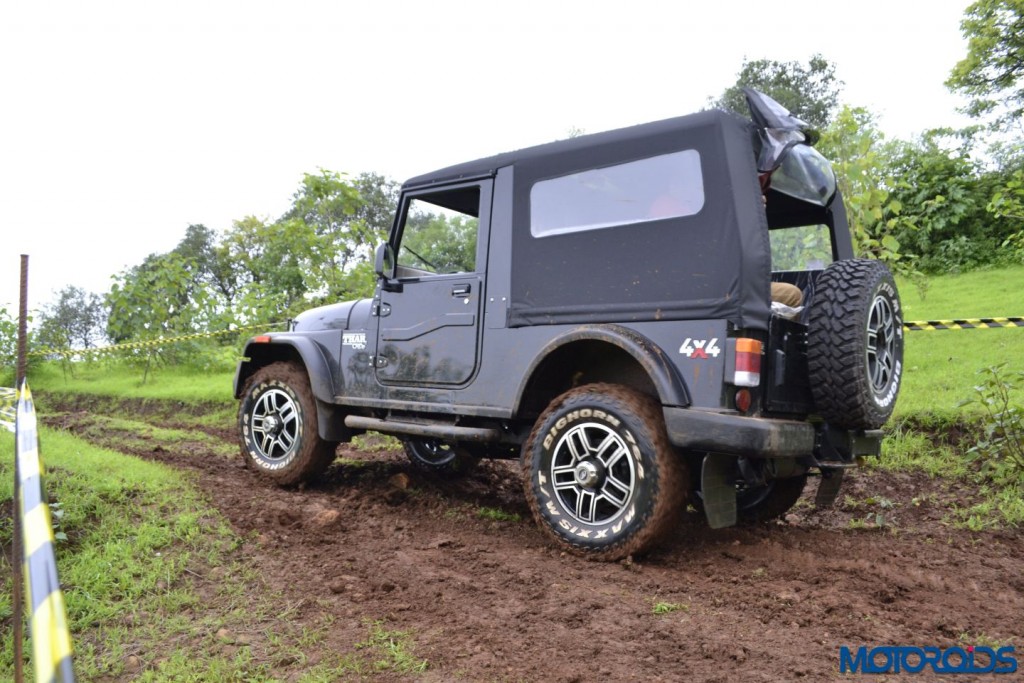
x=288, y=347
x=284, y=346
x=670, y=385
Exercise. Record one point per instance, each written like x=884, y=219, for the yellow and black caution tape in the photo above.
x=963, y=324
x=8, y=404
x=151, y=343
x=51, y=639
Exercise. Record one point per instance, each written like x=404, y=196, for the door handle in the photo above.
x=461, y=290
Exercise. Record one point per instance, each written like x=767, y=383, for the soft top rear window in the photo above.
x=656, y=188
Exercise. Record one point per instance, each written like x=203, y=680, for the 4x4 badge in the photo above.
x=700, y=348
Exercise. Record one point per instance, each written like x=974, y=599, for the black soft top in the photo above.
x=580, y=148
x=713, y=265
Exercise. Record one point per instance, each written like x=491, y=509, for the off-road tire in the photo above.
x=277, y=420
x=600, y=474
x=771, y=500
x=438, y=457
x=855, y=344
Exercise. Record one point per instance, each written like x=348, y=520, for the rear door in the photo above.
x=428, y=330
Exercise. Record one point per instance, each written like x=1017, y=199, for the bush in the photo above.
x=961, y=254
x=1000, y=446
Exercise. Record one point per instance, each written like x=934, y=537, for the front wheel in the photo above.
x=278, y=423
x=600, y=474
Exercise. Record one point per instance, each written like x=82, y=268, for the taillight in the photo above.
x=262, y=339
x=748, y=363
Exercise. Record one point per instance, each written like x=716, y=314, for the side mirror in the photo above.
x=384, y=262
x=384, y=266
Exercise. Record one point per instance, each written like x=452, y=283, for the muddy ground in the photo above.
x=491, y=600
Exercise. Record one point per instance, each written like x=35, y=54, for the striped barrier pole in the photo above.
x=48, y=627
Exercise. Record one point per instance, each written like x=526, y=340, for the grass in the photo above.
x=1000, y=506
x=940, y=371
x=156, y=589
x=940, y=367
x=133, y=528
x=392, y=650
x=669, y=607
x=132, y=435
x=908, y=449
x=109, y=378
x=497, y=515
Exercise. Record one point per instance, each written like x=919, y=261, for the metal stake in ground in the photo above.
x=17, y=561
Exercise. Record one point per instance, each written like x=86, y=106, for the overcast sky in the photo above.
x=123, y=122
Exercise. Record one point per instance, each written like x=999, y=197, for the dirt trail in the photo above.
x=491, y=600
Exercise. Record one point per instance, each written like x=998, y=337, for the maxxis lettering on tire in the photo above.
x=249, y=437
x=278, y=425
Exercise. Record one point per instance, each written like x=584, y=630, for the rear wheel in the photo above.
x=758, y=497
x=278, y=423
x=599, y=472
x=770, y=500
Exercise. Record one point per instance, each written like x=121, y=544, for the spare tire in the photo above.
x=855, y=344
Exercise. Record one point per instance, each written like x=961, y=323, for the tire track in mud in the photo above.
x=493, y=601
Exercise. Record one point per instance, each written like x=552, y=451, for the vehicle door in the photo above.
x=428, y=329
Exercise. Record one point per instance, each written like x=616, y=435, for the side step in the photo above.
x=433, y=430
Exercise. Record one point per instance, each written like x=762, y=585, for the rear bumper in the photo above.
x=757, y=437
x=753, y=437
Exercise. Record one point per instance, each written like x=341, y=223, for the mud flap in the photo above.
x=718, y=489
x=828, y=487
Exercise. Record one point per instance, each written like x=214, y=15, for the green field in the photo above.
x=940, y=367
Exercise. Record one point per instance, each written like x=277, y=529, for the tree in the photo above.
x=329, y=205
x=446, y=244
x=8, y=341
x=992, y=73
x=855, y=145
x=378, y=197
x=156, y=298
x=347, y=220
x=1008, y=203
x=943, y=193
x=276, y=266
x=198, y=248
x=811, y=92
x=76, y=320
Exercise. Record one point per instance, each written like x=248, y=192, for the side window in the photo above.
x=808, y=247
x=439, y=233
x=655, y=188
